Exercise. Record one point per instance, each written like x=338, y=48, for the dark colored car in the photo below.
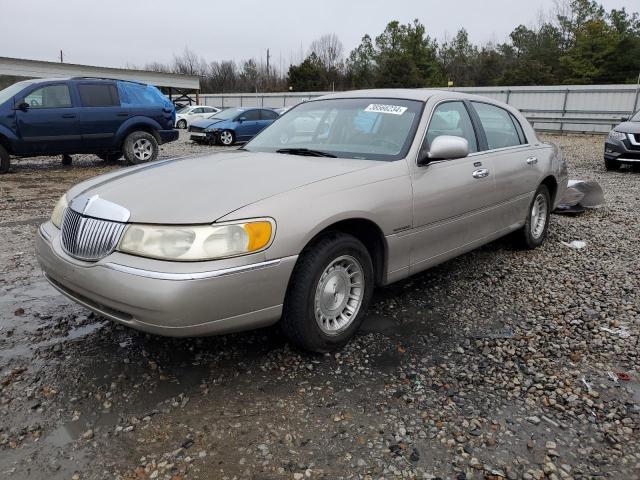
x=107, y=117
x=232, y=125
x=622, y=146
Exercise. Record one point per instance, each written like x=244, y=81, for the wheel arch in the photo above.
x=552, y=185
x=136, y=125
x=365, y=230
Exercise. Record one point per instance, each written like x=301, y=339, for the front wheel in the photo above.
x=537, y=223
x=611, y=165
x=181, y=124
x=5, y=160
x=140, y=147
x=227, y=138
x=329, y=292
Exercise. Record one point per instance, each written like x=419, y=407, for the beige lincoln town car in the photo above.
x=341, y=194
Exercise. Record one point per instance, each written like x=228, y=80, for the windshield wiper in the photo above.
x=306, y=152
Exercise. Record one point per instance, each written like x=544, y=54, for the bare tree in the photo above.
x=188, y=63
x=328, y=48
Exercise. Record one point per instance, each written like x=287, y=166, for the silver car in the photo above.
x=300, y=229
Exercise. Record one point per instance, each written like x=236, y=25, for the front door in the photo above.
x=49, y=124
x=249, y=126
x=452, y=199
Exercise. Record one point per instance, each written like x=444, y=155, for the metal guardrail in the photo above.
x=571, y=108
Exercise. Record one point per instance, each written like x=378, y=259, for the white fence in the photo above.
x=570, y=108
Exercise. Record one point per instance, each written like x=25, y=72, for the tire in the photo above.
x=227, y=138
x=611, y=165
x=5, y=160
x=140, y=147
x=329, y=263
x=181, y=124
x=110, y=156
x=534, y=232
x=67, y=160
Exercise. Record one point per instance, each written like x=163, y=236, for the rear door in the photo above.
x=451, y=198
x=49, y=124
x=100, y=115
x=249, y=126
x=516, y=165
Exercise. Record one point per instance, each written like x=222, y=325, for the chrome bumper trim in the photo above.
x=44, y=233
x=621, y=159
x=195, y=275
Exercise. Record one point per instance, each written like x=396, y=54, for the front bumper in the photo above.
x=624, y=151
x=169, y=298
x=210, y=137
x=167, y=136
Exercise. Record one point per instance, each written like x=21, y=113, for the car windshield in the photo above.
x=12, y=90
x=635, y=118
x=361, y=128
x=227, y=114
x=184, y=109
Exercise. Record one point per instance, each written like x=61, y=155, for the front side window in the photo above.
x=51, y=96
x=251, y=115
x=197, y=110
x=498, y=126
x=98, y=95
x=451, y=118
x=358, y=128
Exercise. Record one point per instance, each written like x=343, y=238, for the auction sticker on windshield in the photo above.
x=392, y=109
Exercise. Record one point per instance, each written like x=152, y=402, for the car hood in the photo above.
x=202, y=189
x=206, y=122
x=629, y=127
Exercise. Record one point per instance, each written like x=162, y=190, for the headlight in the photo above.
x=613, y=135
x=211, y=129
x=199, y=242
x=58, y=211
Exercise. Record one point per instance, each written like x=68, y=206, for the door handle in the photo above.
x=122, y=114
x=68, y=115
x=481, y=173
x=532, y=161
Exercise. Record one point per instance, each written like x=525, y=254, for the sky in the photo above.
x=120, y=33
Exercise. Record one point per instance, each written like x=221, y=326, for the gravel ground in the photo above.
x=493, y=365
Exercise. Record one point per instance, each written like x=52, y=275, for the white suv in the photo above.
x=186, y=115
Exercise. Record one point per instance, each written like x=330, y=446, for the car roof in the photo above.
x=420, y=94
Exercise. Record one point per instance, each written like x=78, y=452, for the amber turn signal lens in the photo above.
x=259, y=234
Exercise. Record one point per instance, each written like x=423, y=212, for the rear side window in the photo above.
x=268, y=115
x=51, y=96
x=139, y=95
x=498, y=125
x=451, y=118
x=98, y=95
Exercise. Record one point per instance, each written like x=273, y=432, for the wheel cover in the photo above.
x=142, y=149
x=182, y=124
x=226, y=138
x=539, y=215
x=339, y=295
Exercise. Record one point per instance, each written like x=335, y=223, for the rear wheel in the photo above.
x=329, y=292
x=5, y=160
x=227, y=138
x=611, y=165
x=67, y=160
x=140, y=147
x=537, y=223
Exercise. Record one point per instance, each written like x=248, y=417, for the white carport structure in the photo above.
x=184, y=86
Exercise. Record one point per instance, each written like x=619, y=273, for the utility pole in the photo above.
x=61, y=57
x=268, y=57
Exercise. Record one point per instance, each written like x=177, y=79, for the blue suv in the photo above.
x=110, y=118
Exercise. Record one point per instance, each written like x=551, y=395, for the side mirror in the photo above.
x=446, y=147
x=241, y=119
x=624, y=119
x=24, y=106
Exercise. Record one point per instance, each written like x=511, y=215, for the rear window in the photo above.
x=98, y=95
x=498, y=126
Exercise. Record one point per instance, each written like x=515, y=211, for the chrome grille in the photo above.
x=89, y=238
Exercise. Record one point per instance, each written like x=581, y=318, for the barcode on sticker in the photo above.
x=392, y=109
